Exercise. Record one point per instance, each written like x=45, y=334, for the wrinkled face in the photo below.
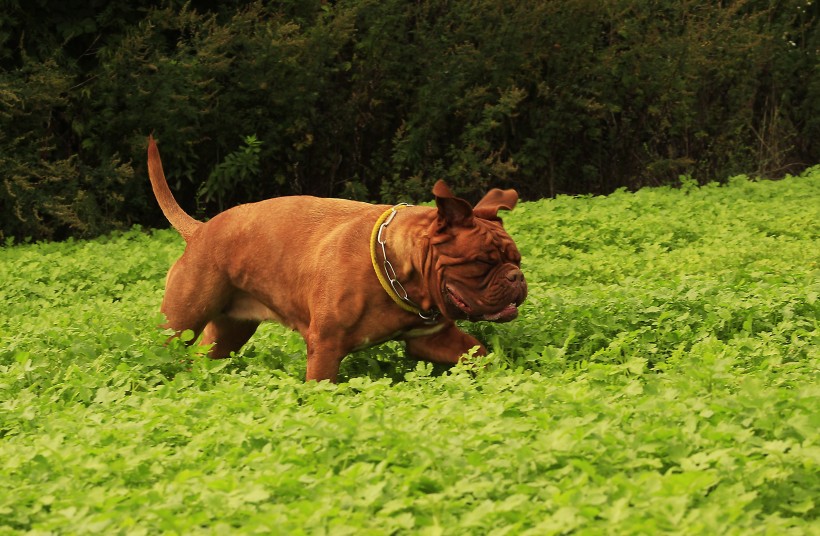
x=479, y=275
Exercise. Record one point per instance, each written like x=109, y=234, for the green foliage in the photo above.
x=238, y=168
x=47, y=192
x=662, y=377
x=379, y=98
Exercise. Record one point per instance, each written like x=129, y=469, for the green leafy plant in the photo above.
x=661, y=378
x=239, y=167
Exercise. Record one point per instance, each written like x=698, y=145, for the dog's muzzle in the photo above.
x=505, y=308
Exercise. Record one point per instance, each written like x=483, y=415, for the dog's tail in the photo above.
x=182, y=222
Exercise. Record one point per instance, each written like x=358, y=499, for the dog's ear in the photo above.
x=452, y=211
x=494, y=201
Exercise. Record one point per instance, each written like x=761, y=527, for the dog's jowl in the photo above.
x=344, y=274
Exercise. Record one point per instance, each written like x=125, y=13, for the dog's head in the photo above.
x=475, y=263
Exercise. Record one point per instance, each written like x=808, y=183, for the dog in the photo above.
x=346, y=275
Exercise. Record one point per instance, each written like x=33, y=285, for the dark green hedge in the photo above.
x=375, y=99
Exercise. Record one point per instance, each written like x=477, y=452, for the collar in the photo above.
x=387, y=276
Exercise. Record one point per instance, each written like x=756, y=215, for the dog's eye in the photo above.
x=486, y=264
x=478, y=268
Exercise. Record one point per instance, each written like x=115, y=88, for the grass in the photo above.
x=662, y=377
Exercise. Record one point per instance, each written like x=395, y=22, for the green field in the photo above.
x=662, y=377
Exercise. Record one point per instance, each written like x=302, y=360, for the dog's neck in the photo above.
x=408, y=250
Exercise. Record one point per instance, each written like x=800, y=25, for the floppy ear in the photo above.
x=494, y=201
x=452, y=211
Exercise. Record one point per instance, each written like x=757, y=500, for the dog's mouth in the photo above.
x=505, y=314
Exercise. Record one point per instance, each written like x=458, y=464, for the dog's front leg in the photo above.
x=323, y=359
x=446, y=346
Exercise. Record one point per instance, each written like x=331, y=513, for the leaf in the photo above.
x=256, y=494
x=186, y=335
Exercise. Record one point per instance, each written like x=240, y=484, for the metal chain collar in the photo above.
x=430, y=316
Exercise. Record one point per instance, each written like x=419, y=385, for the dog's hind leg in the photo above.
x=227, y=335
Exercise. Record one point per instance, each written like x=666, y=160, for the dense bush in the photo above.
x=375, y=99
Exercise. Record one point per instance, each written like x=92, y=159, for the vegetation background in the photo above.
x=375, y=99
x=661, y=379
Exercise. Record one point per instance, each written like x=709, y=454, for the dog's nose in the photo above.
x=515, y=276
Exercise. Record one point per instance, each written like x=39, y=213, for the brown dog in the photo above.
x=344, y=274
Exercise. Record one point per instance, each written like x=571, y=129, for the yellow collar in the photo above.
x=387, y=276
